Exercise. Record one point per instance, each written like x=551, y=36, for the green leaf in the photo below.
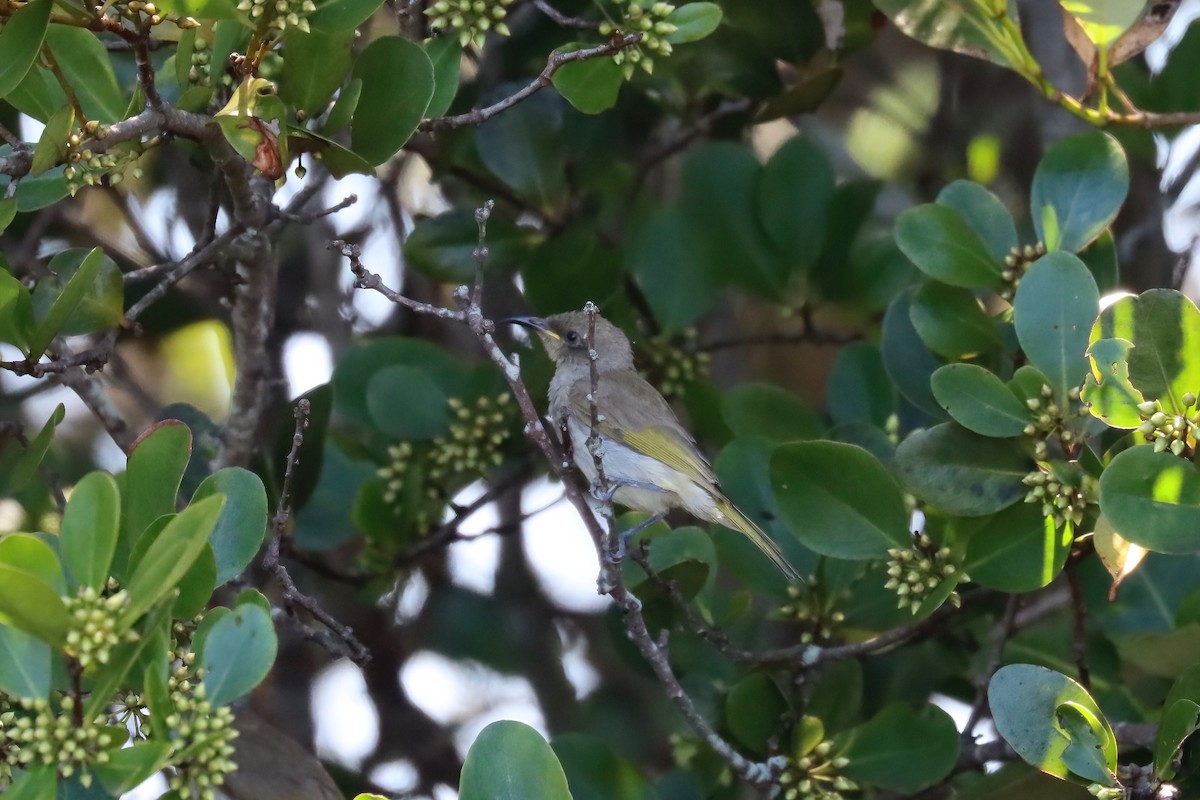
x=900, y=749
x=240, y=528
x=32, y=554
x=1179, y=721
x=102, y=304
x=944, y=246
x=525, y=147
x=595, y=772
x=443, y=247
x=568, y=270
x=238, y=652
x=819, y=488
x=1017, y=550
x=88, y=68
x=951, y=322
x=794, y=192
x=20, y=41
x=1164, y=327
x=406, y=403
x=592, y=85
x=90, y=525
x=1153, y=500
x=342, y=15
x=964, y=27
x=960, y=472
x=1084, y=756
x=24, y=664
x=693, y=22
x=64, y=303
x=859, y=387
x=1053, y=311
x=26, y=467
x=1107, y=391
x=764, y=409
x=445, y=53
x=171, y=555
x=686, y=556
x=35, y=783
x=986, y=215
x=979, y=401
x=8, y=212
x=30, y=604
x=908, y=361
x=314, y=65
x=1104, y=20
x=127, y=767
x=511, y=761
x=671, y=270
x=151, y=482
x=357, y=367
x=343, y=110
x=124, y=656
x=34, y=194
x=1025, y=701
x=1080, y=183
x=754, y=709
x=397, y=85
x=337, y=159
x=52, y=144
x=16, y=309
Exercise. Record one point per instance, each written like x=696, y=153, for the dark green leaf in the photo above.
x=443, y=247
x=671, y=270
x=20, y=41
x=511, y=761
x=406, y=403
x=26, y=467
x=1078, y=189
x=1017, y=550
x=128, y=767
x=34, y=194
x=763, y=409
x=24, y=664
x=314, y=65
x=595, y=772
x=1153, y=500
x=951, y=322
x=32, y=605
x=90, y=525
x=242, y=524
x=357, y=367
x=591, y=85
x=1053, y=311
x=525, y=148
x=238, y=652
x=397, y=85
x=445, y=53
x=900, y=749
x=960, y=472
x=859, y=387
x=151, y=482
x=909, y=363
x=342, y=15
x=986, y=215
x=979, y=401
x=793, y=196
x=343, y=109
x=88, y=68
x=1179, y=721
x=819, y=488
x=64, y=303
x=569, y=270
x=103, y=303
x=944, y=246
x=693, y=21
x=337, y=159
x=686, y=556
x=754, y=709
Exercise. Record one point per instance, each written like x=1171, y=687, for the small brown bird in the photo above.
x=648, y=456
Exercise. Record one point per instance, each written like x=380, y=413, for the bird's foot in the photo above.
x=617, y=554
x=604, y=492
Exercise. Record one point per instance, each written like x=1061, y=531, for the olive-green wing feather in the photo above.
x=740, y=522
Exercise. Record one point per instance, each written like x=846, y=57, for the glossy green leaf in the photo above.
x=1153, y=500
x=32, y=605
x=38, y=782
x=26, y=467
x=445, y=53
x=966, y=28
x=238, y=652
x=951, y=322
x=171, y=555
x=1078, y=189
x=511, y=761
x=960, y=472
x=34, y=194
x=595, y=772
x=685, y=556
x=314, y=65
x=128, y=767
x=1164, y=327
x=944, y=246
x=397, y=85
x=859, y=387
x=526, y=147
x=60, y=309
x=151, y=482
x=357, y=367
x=406, y=403
x=24, y=664
x=1017, y=550
x=979, y=401
x=764, y=409
x=16, y=309
x=671, y=270
x=20, y=41
x=901, y=749
x=819, y=488
x=343, y=110
x=89, y=530
x=102, y=304
x=1107, y=391
x=88, y=68
x=591, y=85
x=33, y=554
x=52, y=144
x=1025, y=699
x=693, y=21
x=8, y=212
x=984, y=213
x=1053, y=311
x=240, y=528
x=1179, y=721
x=754, y=709
x=794, y=193
x=38, y=94
x=342, y=15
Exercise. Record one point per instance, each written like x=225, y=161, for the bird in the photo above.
x=650, y=461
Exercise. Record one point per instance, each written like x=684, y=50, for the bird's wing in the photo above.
x=634, y=413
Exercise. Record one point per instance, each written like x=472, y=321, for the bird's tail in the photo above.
x=740, y=522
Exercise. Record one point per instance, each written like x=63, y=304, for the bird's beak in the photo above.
x=536, y=324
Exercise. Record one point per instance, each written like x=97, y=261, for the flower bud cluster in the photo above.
x=913, y=573
x=473, y=445
x=673, y=368
x=92, y=633
x=651, y=22
x=8, y=717
x=469, y=20
x=1060, y=501
x=1102, y=792
x=816, y=775
x=278, y=15
x=394, y=472
x=1016, y=263
x=86, y=167
x=1174, y=432
x=1051, y=421
x=138, y=11
x=44, y=732
x=198, y=728
x=821, y=622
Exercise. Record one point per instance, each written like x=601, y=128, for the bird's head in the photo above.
x=565, y=337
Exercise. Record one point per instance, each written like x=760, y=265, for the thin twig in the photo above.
x=1000, y=636
x=561, y=19
x=1079, y=629
x=555, y=62
x=365, y=279
x=9, y=137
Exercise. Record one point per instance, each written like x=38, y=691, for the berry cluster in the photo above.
x=816, y=776
x=914, y=573
x=41, y=732
x=278, y=15
x=673, y=368
x=1016, y=263
x=469, y=20
x=813, y=612
x=1174, y=432
x=652, y=23
x=93, y=629
x=1061, y=500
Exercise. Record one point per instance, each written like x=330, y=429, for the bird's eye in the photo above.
x=572, y=337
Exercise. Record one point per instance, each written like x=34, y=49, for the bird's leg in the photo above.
x=605, y=493
x=624, y=536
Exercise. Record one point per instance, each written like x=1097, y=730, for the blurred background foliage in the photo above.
x=815, y=229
